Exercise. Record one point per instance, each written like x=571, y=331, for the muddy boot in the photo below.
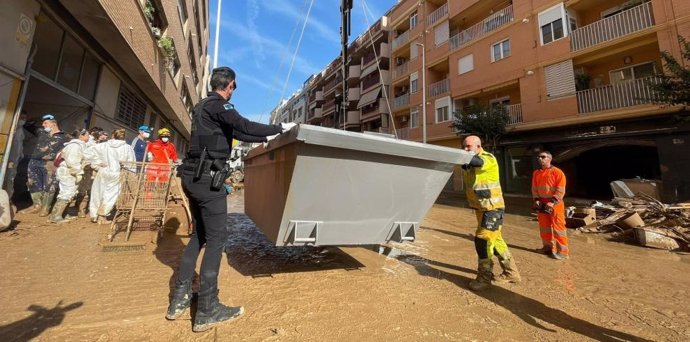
x=81, y=203
x=211, y=312
x=510, y=272
x=181, y=298
x=45, y=206
x=37, y=199
x=484, y=275
x=58, y=209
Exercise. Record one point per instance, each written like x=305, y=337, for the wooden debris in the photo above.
x=661, y=221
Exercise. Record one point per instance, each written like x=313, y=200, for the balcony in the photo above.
x=403, y=133
x=400, y=70
x=401, y=40
x=315, y=114
x=316, y=96
x=353, y=72
x=371, y=81
x=514, y=113
x=401, y=101
x=352, y=117
x=437, y=14
x=382, y=52
x=439, y=88
x=328, y=107
x=624, y=23
x=614, y=96
x=482, y=28
x=353, y=94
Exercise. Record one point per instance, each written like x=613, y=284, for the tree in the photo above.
x=488, y=122
x=674, y=86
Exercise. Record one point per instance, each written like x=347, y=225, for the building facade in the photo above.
x=106, y=63
x=574, y=77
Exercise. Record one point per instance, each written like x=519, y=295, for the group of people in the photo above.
x=85, y=165
x=483, y=190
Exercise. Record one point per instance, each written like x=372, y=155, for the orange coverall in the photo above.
x=548, y=185
x=164, y=153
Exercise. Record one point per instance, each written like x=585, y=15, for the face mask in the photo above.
x=146, y=135
x=164, y=139
x=47, y=129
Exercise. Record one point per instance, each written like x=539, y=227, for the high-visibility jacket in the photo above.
x=548, y=185
x=162, y=152
x=482, y=184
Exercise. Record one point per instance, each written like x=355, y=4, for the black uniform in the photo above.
x=214, y=123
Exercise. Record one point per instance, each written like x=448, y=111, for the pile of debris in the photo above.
x=642, y=217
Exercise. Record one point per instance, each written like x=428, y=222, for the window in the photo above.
x=413, y=20
x=465, y=64
x=413, y=50
x=414, y=117
x=551, y=24
x=560, y=79
x=500, y=102
x=441, y=33
x=182, y=11
x=633, y=72
x=500, y=50
x=442, y=114
x=130, y=108
x=186, y=98
x=413, y=83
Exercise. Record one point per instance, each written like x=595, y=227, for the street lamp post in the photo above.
x=423, y=93
x=215, y=43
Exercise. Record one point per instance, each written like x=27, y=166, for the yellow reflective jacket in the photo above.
x=482, y=184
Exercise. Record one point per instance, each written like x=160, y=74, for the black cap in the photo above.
x=227, y=71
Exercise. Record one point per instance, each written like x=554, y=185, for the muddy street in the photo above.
x=59, y=284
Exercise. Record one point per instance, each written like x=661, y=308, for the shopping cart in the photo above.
x=145, y=191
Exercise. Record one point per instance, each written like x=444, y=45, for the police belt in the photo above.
x=190, y=164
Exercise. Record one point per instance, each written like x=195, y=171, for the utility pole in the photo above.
x=345, y=10
x=215, y=43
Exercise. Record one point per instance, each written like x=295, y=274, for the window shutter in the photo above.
x=560, y=79
x=413, y=50
x=441, y=33
x=465, y=64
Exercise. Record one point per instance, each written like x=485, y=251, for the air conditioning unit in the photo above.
x=403, y=119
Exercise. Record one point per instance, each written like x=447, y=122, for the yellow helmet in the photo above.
x=164, y=132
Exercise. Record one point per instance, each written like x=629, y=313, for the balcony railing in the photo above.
x=371, y=81
x=328, y=106
x=514, y=113
x=401, y=101
x=618, y=25
x=315, y=113
x=624, y=94
x=437, y=14
x=352, y=117
x=439, y=88
x=482, y=28
x=401, y=40
x=400, y=70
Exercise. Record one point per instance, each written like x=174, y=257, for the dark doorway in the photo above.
x=590, y=173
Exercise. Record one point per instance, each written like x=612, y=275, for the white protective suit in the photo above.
x=106, y=158
x=71, y=169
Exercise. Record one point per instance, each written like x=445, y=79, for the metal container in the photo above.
x=321, y=186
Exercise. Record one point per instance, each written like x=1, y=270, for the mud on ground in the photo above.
x=58, y=284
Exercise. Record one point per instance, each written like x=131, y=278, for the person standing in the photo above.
x=214, y=120
x=483, y=189
x=548, y=190
x=82, y=199
x=140, y=141
x=160, y=151
x=69, y=173
x=41, y=172
x=106, y=185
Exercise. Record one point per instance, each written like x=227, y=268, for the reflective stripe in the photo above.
x=560, y=232
x=487, y=186
x=546, y=229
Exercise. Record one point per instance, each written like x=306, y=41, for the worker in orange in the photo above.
x=160, y=151
x=548, y=189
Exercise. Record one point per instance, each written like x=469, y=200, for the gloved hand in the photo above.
x=79, y=177
x=269, y=138
x=149, y=156
x=287, y=126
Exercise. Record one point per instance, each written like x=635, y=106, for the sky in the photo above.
x=258, y=39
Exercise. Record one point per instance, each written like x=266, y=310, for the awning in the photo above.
x=369, y=98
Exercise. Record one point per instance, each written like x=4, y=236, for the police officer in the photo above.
x=213, y=122
x=41, y=172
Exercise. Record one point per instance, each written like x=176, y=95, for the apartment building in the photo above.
x=106, y=63
x=574, y=77
x=295, y=108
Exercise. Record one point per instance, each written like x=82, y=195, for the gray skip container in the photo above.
x=321, y=186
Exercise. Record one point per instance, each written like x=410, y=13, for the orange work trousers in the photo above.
x=552, y=230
